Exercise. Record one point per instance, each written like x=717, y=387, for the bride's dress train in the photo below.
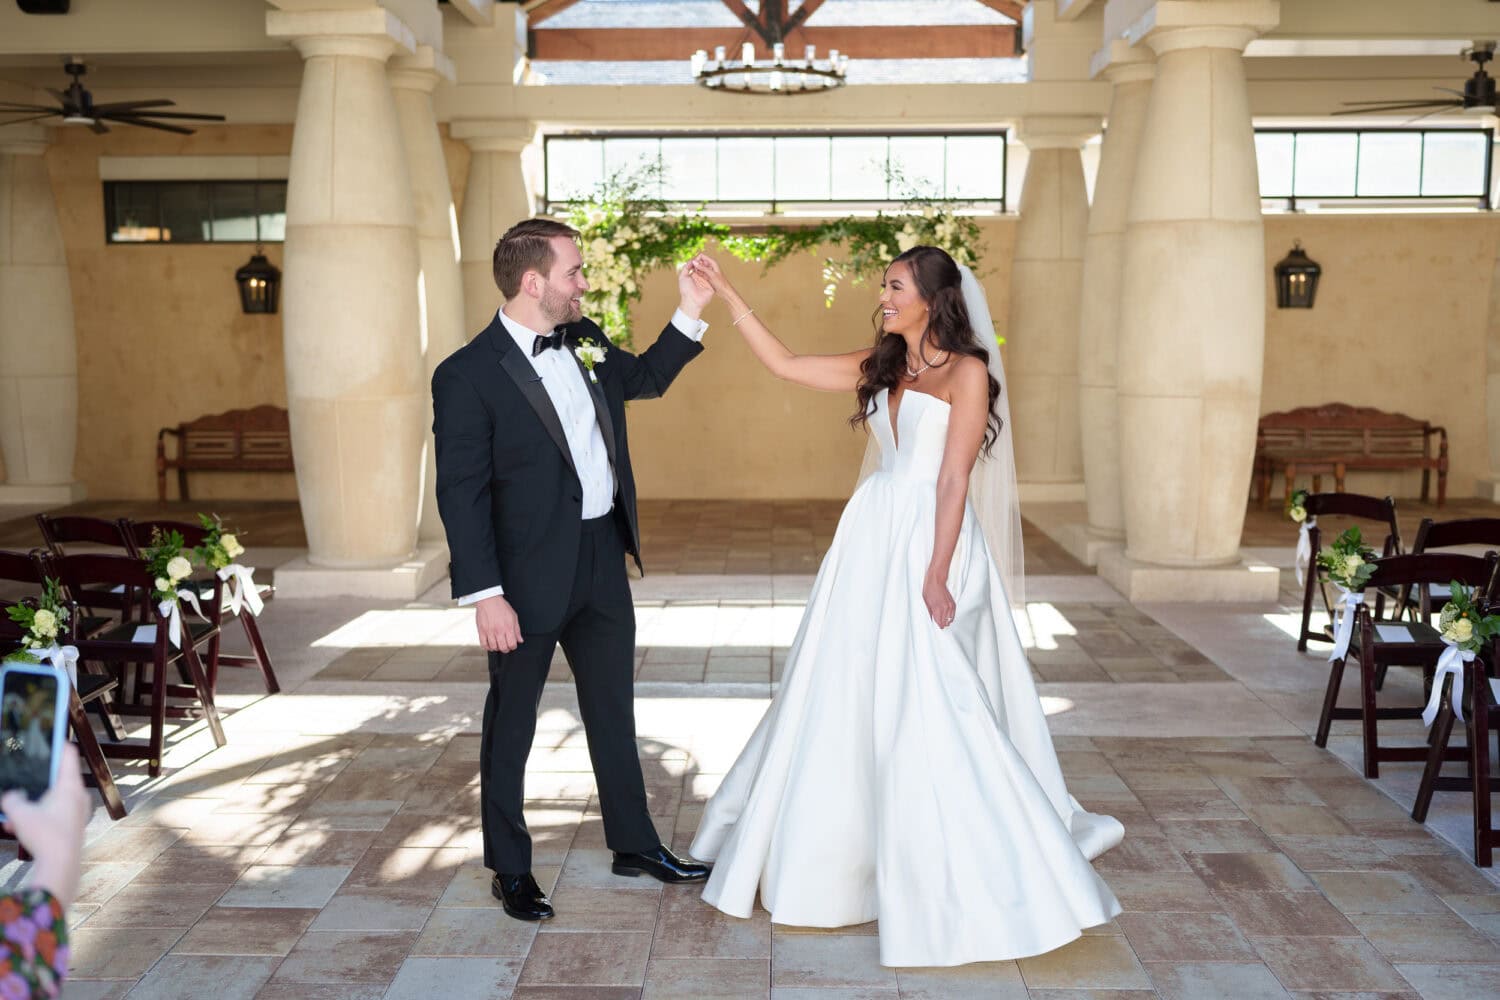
x=905, y=773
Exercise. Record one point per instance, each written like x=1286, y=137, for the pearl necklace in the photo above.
x=929, y=364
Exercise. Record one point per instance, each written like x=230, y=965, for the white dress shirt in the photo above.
x=564, y=382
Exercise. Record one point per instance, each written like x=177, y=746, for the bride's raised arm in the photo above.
x=827, y=372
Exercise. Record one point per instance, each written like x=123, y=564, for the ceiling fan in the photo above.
x=77, y=107
x=1477, y=98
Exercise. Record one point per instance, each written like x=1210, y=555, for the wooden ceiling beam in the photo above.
x=1013, y=9
x=536, y=13
x=956, y=41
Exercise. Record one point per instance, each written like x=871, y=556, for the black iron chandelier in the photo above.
x=773, y=22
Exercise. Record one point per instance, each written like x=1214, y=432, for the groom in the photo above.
x=538, y=501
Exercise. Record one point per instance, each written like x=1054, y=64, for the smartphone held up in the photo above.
x=33, y=726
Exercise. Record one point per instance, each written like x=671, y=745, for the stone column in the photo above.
x=38, y=351
x=496, y=197
x=1192, y=317
x=351, y=314
x=1042, y=335
x=1489, y=487
x=1103, y=267
x=440, y=283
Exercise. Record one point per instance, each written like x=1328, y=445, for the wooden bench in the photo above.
x=1335, y=437
x=254, y=440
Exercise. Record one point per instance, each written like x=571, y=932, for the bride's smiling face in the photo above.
x=902, y=309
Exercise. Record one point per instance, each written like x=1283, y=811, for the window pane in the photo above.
x=271, y=202
x=745, y=167
x=234, y=214
x=802, y=169
x=691, y=167
x=976, y=166
x=184, y=212
x=134, y=213
x=917, y=167
x=859, y=167
x=1453, y=164
x=1326, y=164
x=1390, y=164
x=631, y=156
x=1273, y=157
x=574, y=168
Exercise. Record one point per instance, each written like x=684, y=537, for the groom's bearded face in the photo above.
x=565, y=284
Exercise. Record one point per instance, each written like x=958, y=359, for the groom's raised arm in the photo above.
x=648, y=374
x=462, y=429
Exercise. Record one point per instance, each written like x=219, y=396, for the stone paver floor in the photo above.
x=332, y=849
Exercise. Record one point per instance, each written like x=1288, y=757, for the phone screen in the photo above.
x=28, y=714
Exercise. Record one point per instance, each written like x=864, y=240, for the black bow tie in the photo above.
x=554, y=341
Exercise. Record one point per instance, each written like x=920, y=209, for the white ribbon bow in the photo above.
x=1451, y=662
x=242, y=589
x=65, y=657
x=172, y=612
x=1304, y=549
x=1343, y=621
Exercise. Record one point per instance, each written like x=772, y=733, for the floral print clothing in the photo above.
x=34, y=956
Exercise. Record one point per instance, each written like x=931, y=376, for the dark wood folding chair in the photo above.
x=117, y=645
x=25, y=568
x=92, y=688
x=215, y=597
x=64, y=535
x=1481, y=692
x=1418, y=646
x=1476, y=531
x=1381, y=511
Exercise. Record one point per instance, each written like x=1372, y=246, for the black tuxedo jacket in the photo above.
x=510, y=499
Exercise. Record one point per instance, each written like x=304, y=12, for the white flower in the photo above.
x=44, y=624
x=232, y=546
x=600, y=247
x=1461, y=631
x=906, y=238
x=1298, y=513
x=589, y=353
x=1352, y=565
x=163, y=584
x=178, y=568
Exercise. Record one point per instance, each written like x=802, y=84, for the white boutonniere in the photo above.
x=589, y=353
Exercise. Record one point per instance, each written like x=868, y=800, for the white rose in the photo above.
x=1298, y=514
x=44, y=623
x=162, y=583
x=906, y=239
x=600, y=247
x=1352, y=565
x=178, y=568
x=1463, y=630
x=232, y=546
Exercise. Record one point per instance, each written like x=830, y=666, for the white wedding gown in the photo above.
x=904, y=773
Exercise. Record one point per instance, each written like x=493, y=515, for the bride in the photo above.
x=904, y=772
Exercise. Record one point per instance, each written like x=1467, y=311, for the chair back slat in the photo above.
x=1436, y=567
x=1465, y=531
x=95, y=569
x=60, y=531
x=21, y=567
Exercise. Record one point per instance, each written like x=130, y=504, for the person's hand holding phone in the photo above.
x=51, y=828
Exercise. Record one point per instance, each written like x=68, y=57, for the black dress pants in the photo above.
x=598, y=637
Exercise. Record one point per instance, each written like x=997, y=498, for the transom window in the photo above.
x=799, y=170
x=195, y=211
x=1369, y=165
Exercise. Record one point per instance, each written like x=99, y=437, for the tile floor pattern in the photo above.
x=1119, y=644
x=349, y=866
x=331, y=850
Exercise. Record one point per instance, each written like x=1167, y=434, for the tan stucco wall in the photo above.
x=728, y=428
x=161, y=339
x=1399, y=324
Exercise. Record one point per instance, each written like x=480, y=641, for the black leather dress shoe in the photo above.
x=662, y=864
x=521, y=896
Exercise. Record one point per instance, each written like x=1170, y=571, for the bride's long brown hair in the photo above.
x=938, y=282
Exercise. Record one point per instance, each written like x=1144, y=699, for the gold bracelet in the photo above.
x=747, y=312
